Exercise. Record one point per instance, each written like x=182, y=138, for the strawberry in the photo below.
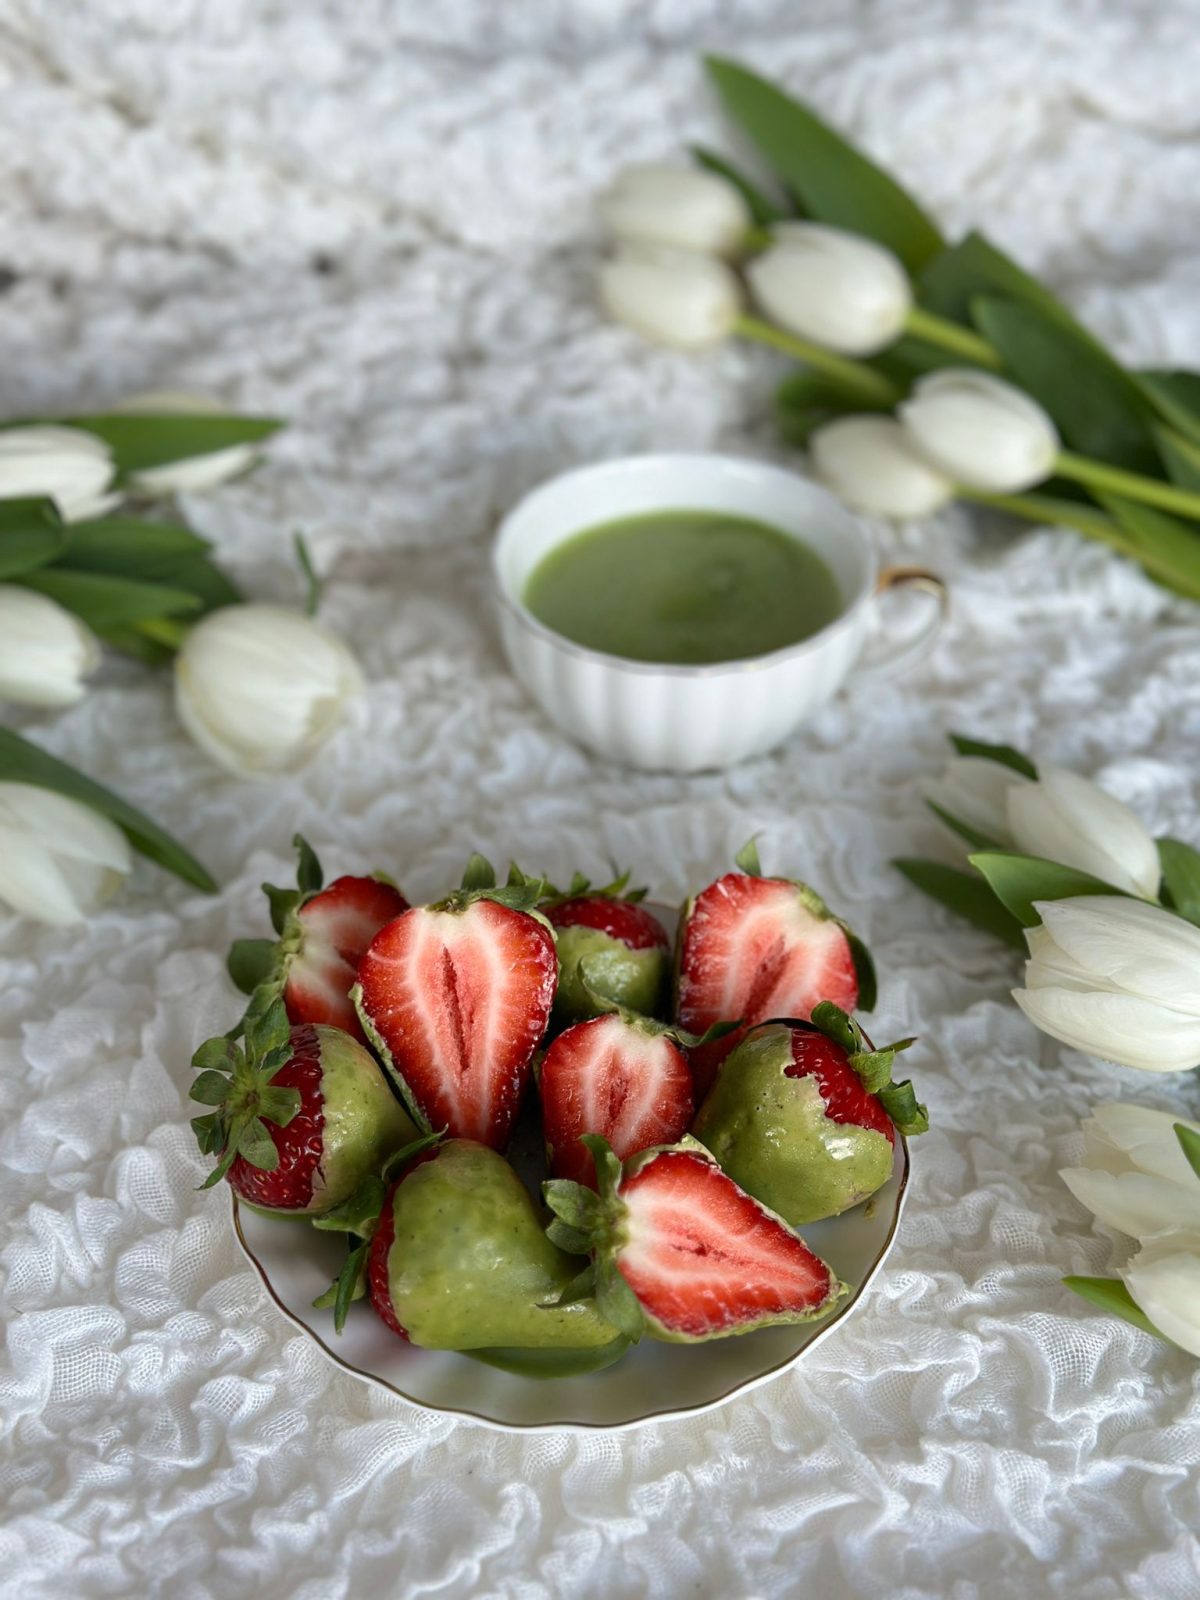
x=680, y=1252
x=753, y=948
x=300, y=1115
x=459, y=1261
x=804, y=1115
x=618, y=1075
x=322, y=934
x=456, y=997
x=608, y=945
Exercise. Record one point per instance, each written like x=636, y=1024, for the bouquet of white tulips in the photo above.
x=83, y=566
x=930, y=370
x=1110, y=917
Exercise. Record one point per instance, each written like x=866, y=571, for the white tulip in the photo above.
x=70, y=466
x=870, y=464
x=1117, y=978
x=673, y=297
x=981, y=431
x=841, y=291
x=976, y=790
x=683, y=206
x=45, y=651
x=259, y=687
x=191, y=474
x=1164, y=1279
x=58, y=859
x=1068, y=819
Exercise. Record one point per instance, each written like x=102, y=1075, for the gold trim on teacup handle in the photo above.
x=884, y=660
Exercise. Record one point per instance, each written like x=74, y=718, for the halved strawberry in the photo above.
x=336, y=926
x=608, y=946
x=680, y=1252
x=617, y=1075
x=456, y=996
x=753, y=948
x=322, y=934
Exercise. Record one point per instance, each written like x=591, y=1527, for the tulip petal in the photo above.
x=869, y=463
x=1143, y=1137
x=1129, y=945
x=197, y=473
x=58, y=859
x=1167, y=1288
x=842, y=291
x=684, y=207
x=1135, y=1203
x=1116, y=1027
x=1066, y=819
x=975, y=790
x=980, y=430
x=45, y=650
x=673, y=297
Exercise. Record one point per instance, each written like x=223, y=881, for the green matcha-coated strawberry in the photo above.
x=468, y=1266
x=804, y=1116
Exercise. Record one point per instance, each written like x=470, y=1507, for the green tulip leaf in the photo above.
x=835, y=183
x=1003, y=753
x=1111, y=1295
x=976, y=839
x=139, y=442
x=1167, y=547
x=1180, y=455
x=31, y=536
x=1189, y=1143
x=1097, y=406
x=763, y=210
x=22, y=762
x=1175, y=395
x=966, y=895
x=105, y=602
x=959, y=274
x=1018, y=880
x=1181, y=878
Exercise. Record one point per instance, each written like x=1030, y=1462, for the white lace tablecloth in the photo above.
x=374, y=219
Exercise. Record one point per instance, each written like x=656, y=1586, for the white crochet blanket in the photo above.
x=374, y=219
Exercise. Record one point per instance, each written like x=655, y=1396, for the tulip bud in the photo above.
x=45, y=651
x=975, y=791
x=259, y=687
x=70, y=466
x=1067, y=819
x=673, y=297
x=841, y=291
x=870, y=464
x=1134, y=1177
x=58, y=859
x=686, y=207
x=1117, y=978
x=191, y=474
x=1164, y=1280
x=981, y=431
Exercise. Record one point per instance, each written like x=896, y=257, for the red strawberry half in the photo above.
x=336, y=926
x=618, y=1076
x=457, y=997
x=753, y=948
x=680, y=1252
x=300, y=1115
x=608, y=946
x=322, y=934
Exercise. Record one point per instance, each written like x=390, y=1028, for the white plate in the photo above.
x=652, y=1382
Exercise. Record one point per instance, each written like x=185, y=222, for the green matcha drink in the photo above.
x=687, y=587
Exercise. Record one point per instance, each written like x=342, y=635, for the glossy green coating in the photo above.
x=470, y=1267
x=364, y=1122
x=635, y=979
x=683, y=586
x=771, y=1135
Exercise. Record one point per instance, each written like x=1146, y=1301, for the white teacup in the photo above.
x=688, y=718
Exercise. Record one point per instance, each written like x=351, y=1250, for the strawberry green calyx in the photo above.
x=518, y=892
x=603, y=1004
x=593, y=1222
x=874, y=1067
x=581, y=885
x=259, y=966
x=236, y=1081
x=747, y=860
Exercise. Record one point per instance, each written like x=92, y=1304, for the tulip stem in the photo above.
x=860, y=380
x=1132, y=485
x=952, y=336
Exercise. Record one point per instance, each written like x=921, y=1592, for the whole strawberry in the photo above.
x=608, y=946
x=322, y=934
x=300, y=1115
x=456, y=997
x=459, y=1261
x=751, y=948
x=680, y=1252
x=804, y=1115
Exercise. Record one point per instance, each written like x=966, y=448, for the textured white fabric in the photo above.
x=373, y=218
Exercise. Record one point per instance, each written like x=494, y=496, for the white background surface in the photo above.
x=374, y=219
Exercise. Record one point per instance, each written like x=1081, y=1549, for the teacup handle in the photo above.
x=887, y=657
